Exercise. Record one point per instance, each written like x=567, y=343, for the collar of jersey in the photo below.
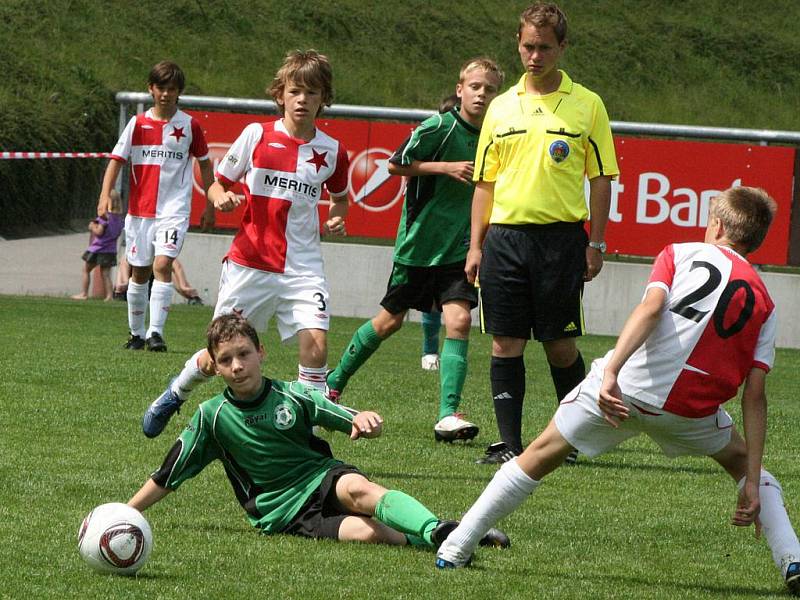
x=266, y=386
x=279, y=126
x=466, y=124
x=564, y=88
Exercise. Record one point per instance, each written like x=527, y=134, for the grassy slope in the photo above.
x=630, y=524
x=716, y=62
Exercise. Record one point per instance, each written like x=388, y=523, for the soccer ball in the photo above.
x=115, y=538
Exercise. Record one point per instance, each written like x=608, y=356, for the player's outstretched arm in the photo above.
x=637, y=329
x=148, y=494
x=366, y=424
x=754, y=417
x=336, y=214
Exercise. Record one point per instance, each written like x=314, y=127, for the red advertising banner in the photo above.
x=661, y=196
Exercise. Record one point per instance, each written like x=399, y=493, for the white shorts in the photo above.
x=298, y=302
x=147, y=238
x=580, y=421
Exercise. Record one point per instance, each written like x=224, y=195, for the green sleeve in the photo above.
x=194, y=449
x=423, y=144
x=322, y=411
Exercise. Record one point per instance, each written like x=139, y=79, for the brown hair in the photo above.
x=545, y=14
x=746, y=214
x=481, y=62
x=308, y=68
x=167, y=72
x=226, y=327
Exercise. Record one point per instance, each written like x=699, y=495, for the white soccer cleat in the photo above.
x=430, y=362
x=454, y=427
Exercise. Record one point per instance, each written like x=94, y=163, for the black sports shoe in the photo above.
x=793, y=578
x=572, y=458
x=155, y=343
x=494, y=537
x=496, y=454
x=195, y=301
x=134, y=343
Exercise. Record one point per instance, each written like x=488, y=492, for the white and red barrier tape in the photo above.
x=54, y=155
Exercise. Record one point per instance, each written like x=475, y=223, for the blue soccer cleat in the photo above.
x=793, y=578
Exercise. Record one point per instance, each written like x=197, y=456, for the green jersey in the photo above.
x=434, y=227
x=266, y=446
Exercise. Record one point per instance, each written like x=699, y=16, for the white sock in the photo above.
x=160, y=301
x=137, y=305
x=509, y=488
x=775, y=524
x=313, y=376
x=190, y=377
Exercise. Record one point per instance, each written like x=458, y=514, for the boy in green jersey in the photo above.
x=285, y=478
x=432, y=242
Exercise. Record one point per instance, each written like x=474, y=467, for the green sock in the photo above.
x=431, y=324
x=452, y=373
x=406, y=515
x=363, y=343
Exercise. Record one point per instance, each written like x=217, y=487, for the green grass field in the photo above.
x=630, y=524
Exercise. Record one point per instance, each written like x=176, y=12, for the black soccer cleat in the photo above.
x=134, y=343
x=494, y=538
x=572, y=458
x=496, y=454
x=793, y=578
x=155, y=343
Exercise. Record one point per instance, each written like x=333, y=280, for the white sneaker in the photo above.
x=430, y=362
x=454, y=427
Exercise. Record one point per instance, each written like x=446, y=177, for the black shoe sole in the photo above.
x=467, y=433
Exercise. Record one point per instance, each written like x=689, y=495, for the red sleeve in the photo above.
x=337, y=182
x=199, y=147
x=664, y=268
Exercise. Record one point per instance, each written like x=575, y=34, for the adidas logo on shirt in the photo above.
x=571, y=327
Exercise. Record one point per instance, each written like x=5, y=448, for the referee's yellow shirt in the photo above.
x=537, y=150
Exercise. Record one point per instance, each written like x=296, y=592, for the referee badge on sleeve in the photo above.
x=559, y=151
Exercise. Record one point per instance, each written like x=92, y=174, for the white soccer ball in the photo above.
x=115, y=538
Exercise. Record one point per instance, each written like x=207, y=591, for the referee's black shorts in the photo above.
x=531, y=281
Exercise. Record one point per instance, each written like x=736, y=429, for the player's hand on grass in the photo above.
x=366, y=424
x=460, y=171
x=335, y=226
x=748, y=505
x=472, y=264
x=610, y=402
x=227, y=201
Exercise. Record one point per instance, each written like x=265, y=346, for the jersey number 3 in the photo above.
x=685, y=309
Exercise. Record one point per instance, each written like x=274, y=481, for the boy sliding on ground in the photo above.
x=158, y=145
x=432, y=242
x=285, y=478
x=274, y=265
x=705, y=326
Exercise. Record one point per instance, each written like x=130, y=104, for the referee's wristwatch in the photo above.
x=598, y=246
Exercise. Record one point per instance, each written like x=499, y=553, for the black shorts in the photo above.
x=531, y=280
x=102, y=259
x=322, y=514
x=423, y=288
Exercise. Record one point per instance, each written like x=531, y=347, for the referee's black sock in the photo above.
x=508, y=392
x=565, y=379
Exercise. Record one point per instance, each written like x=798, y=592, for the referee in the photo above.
x=538, y=141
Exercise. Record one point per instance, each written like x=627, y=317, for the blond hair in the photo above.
x=481, y=62
x=746, y=214
x=308, y=68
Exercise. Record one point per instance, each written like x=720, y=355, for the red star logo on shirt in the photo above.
x=318, y=160
x=177, y=133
